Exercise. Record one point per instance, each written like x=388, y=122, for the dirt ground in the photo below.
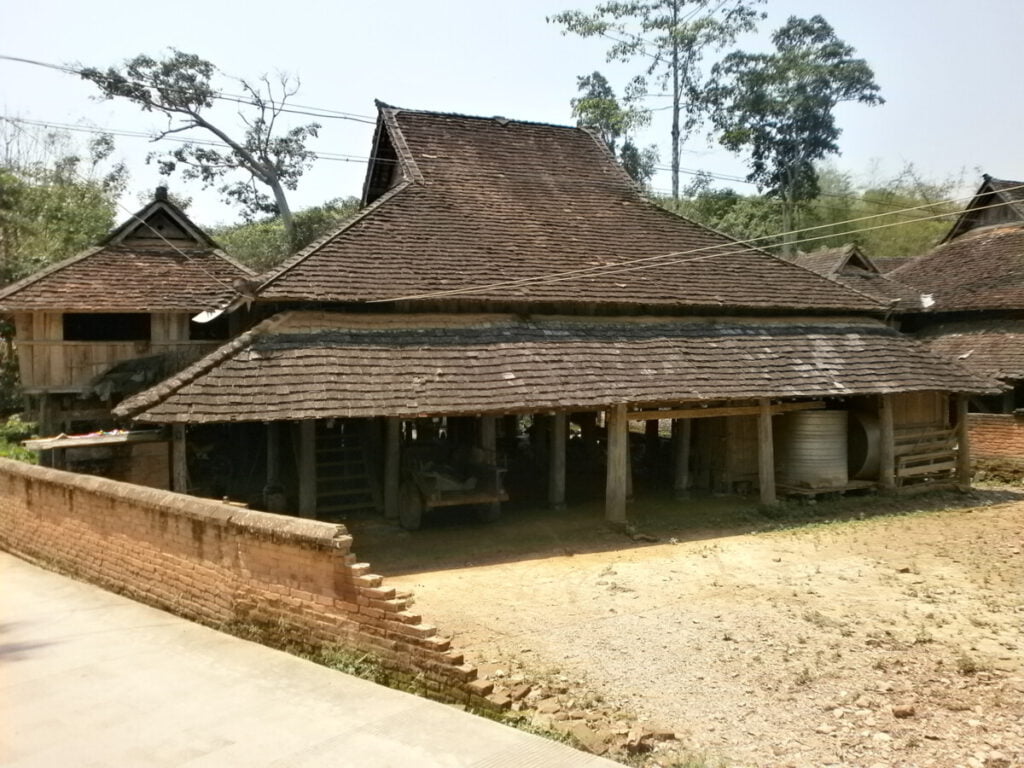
x=861, y=632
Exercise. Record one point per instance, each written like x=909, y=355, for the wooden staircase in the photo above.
x=345, y=481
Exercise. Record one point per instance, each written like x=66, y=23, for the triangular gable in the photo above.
x=160, y=222
x=997, y=202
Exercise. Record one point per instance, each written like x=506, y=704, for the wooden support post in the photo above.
x=682, y=430
x=273, y=454
x=765, y=453
x=618, y=465
x=963, y=443
x=629, y=464
x=652, y=443
x=179, y=460
x=886, y=444
x=556, y=461
x=307, y=468
x=392, y=465
x=489, y=439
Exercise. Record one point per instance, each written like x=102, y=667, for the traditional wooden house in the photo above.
x=505, y=273
x=116, y=319
x=973, y=311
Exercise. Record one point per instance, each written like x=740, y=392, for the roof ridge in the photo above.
x=464, y=116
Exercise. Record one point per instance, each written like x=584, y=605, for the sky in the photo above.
x=948, y=70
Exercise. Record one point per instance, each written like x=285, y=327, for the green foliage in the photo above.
x=54, y=202
x=839, y=213
x=598, y=108
x=264, y=244
x=181, y=87
x=12, y=432
x=778, y=107
x=671, y=37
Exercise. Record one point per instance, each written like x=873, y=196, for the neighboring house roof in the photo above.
x=993, y=348
x=849, y=266
x=157, y=261
x=458, y=202
x=983, y=270
x=304, y=365
x=997, y=201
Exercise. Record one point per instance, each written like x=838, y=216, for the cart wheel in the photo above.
x=488, y=513
x=410, y=507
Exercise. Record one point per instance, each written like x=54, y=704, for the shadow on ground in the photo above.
x=453, y=538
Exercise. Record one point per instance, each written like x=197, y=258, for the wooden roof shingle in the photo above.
x=302, y=365
x=533, y=214
x=156, y=261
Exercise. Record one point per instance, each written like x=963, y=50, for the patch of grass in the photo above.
x=967, y=664
x=12, y=432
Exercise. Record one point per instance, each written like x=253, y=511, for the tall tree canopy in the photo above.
x=671, y=37
x=598, y=108
x=779, y=108
x=247, y=162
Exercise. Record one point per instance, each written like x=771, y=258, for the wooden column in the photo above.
x=652, y=443
x=886, y=444
x=765, y=452
x=618, y=469
x=179, y=462
x=963, y=443
x=556, y=461
x=489, y=438
x=392, y=465
x=307, y=468
x=682, y=430
x=273, y=454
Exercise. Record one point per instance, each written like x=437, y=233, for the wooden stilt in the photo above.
x=765, y=453
x=273, y=454
x=179, y=461
x=489, y=438
x=652, y=443
x=963, y=443
x=307, y=468
x=556, y=461
x=886, y=444
x=617, y=471
x=682, y=430
x=392, y=466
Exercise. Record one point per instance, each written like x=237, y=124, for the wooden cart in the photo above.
x=419, y=491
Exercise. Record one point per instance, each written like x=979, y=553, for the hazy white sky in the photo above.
x=948, y=70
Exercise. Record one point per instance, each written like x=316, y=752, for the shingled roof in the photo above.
x=302, y=365
x=156, y=261
x=533, y=214
x=850, y=266
x=978, y=271
x=997, y=201
x=993, y=348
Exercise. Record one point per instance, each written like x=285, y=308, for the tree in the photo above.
x=779, y=107
x=599, y=109
x=53, y=201
x=263, y=244
x=181, y=87
x=673, y=36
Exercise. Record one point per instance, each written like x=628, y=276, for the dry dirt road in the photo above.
x=887, y=641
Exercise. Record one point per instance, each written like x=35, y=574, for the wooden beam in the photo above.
x=729, y=410
x=556, y=461
x=307, y=468
x=886, y=444
x=963, y=443
x=179, y=460
x=392, y=465
x=682, y=431
x=765, y=453
x=618, y=459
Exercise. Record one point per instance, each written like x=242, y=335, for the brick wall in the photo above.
x=997, y=443
x=221, y=564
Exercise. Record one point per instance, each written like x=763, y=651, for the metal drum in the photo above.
x=813, y=449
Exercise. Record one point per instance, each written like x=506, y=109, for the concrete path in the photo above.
x=89, y=679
